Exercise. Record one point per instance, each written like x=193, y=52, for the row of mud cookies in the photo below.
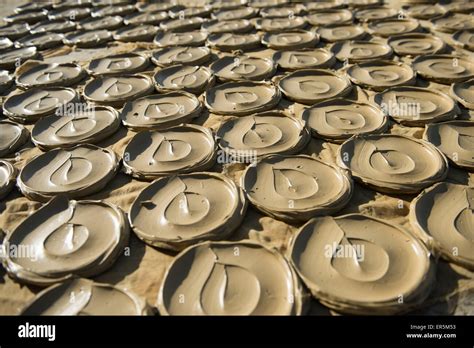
x=261, y=83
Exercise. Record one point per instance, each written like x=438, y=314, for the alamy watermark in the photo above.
x=352, y=251
x=237, y=156
x=71, y=109
x=22, y=251
x=408, y=109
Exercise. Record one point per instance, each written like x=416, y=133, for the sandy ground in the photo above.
x=142, y=271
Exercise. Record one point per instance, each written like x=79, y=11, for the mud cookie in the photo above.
x=7, y=178
x=54, y=74
x=295, y=39
x=88, y=126
x=463, y=92
x=416, y=44
x=442, y=217
x=193, y=79
x=444, y=68
x=230, y=42
x=358, y=264
x=262, y=134
x=416, y=106
x=381, y=74
x=296, y=188
x=455, y=139
x=309, y=86
x=115, y=91
x=181, y=149
x=393, y=163
x=241, y=98
x=28, y=106
x=189, y=38
x=12, y=136
x=66, y=241
x=243, y=68
x=177, y=211
x=75, y=172
x=90, y=298
x=259, y=278
x=339, y=119
x=308, y=58
x=180, y=55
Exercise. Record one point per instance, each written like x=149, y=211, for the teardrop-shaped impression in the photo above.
x=118, y=64
x=9, y=57
x=132, y=33
x=375, y=13
x=55, y=74
x=12, y=136
x=237, y=13
x=181, y=55
x=113, y=10
x=75, y=172
x=425, y=11
x=262, y=134
x=394, y=26
x=416, y=106
x=176, y=211
x=309, y=86
x=416, y=44
x=304, y=59
x=67, y=12
x=177, y=12
x=455, y=139
x=80, y=296
x=86, y=39
x=63, y=239
x=182, y=149
x=182, y=24
x=30, y=105
x=55, y=26
x=463, y=92
x=7, y=178
x=328, y=17
x=243, y=68
x=160, y=111
x=360, y=51
x=15, y=30
x=230, y=42
x=291, y=40
x=444, y=68
x=452, y=22
x=339, y=119
x=41, y=41
x=241, y=98
x=88, y=126
x=358, y=264
x=296, y=188
x=465, y=38
x=393, y=163
x=190, y=38
x=341, y=32
x=115, y=91
x=193, y=79
x=107, y=23
x=230, y=278
x=230, y=26
x=280, y=24
x=381, y=74
x=443, y=217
